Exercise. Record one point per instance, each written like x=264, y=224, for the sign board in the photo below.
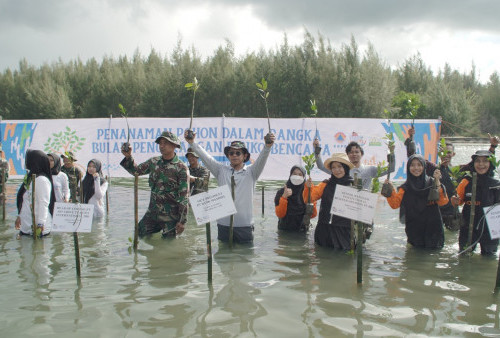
x=212, y=205
x=492, y=214
x=358, y=205
x=72, y=217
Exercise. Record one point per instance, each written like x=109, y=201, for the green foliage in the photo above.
x=123, y=112
x=456, y=175
x=192, y=86
x=442, y=151
x=63, y=142
x=309, y=161
x=408, y=104
x=314, y=108
x=344, y=81
x=381, y=167
x=493, y=160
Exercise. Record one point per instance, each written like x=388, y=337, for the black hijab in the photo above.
x=36, y=163
x=88, y=180
x=329, y=192
x=416, y=187
x=57, y=163
x=296, y=205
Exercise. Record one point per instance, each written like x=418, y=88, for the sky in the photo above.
x=458, y=32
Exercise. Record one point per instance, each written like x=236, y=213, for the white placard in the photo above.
x=492, y=214
x=212, y=205
x=72, y=217
x=358, y=205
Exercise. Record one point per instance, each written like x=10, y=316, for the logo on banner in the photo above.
x=63, y=142
x=355, y=137
x=340, y=137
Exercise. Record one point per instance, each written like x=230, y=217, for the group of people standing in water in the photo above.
x=428, y=199
x=55, y=182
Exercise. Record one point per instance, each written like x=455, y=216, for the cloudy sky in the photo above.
x=457, y=32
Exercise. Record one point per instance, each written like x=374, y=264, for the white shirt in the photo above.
x=43, y=217
x=61, y=187
x=245, y=180
x=97, y=200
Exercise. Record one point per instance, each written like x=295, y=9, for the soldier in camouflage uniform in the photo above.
x=198, y=175
x=168, y=180
x=74, y=175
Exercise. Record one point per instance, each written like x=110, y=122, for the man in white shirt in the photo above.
x=245, y=177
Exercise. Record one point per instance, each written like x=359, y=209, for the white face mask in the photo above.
x=296, y=179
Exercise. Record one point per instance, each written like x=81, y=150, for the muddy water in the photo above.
x=281, y=286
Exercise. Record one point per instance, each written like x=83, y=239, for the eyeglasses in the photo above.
x=234, y=153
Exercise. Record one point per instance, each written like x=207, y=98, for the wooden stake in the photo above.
x=262, y=199
x=136, y=210
x=33, y=220
x=77, y=254
x=107, y=196
x=209, y=252
x=497, y=284
x=4, y=195
x=472, y=210
x=359, y=250
x=231, y=218
x=353, y=222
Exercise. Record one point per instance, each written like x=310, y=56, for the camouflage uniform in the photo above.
x=74, y=176
x=202, y=176
x=168, y=204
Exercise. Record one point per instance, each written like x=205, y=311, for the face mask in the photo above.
x=296, y=179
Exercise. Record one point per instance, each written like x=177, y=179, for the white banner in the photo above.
x=102, y=138
x=492, y=214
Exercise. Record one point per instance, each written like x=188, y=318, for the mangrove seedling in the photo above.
x=314, y=108
x=264, y=94
x=192, y=86
x=123, y=112
x=309, y=161
x=381, y=168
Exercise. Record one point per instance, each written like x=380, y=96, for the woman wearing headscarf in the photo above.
x=37, y=163
x=289, y=204
x=485, y=197
x=332, y=230
x=59, y=179
x=423, y=222
x=94, y=187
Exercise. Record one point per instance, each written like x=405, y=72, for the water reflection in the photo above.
x=235, y=305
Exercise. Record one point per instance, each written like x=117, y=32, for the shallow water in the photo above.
x=281, y=286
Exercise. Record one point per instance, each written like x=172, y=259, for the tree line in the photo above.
x=343, y=82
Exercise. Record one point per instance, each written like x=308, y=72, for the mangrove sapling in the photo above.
x=314, y=108
x=389, y=137
x=123, y=112
x=442, y=153
x=309, y=161
x=192, y=86
x=264, y=94
x=381, y=168
x=410, y=143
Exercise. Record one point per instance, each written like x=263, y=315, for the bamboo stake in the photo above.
x=497, y=284
x=77, y=254
x=359, y=250
x=3, y=194
x=33, y=220
x=209, y=252
x=472, y=210
x=353, y=222
x=231, y=218
x=262, y=199
x=136, y=210
x=107, y=196
x=75, y=234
